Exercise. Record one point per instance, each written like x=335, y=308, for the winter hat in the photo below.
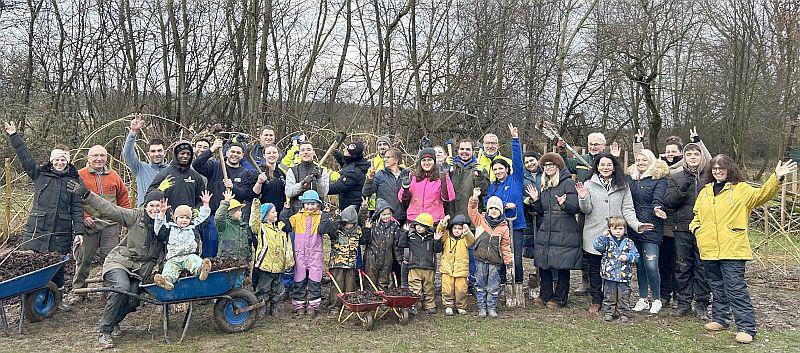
x=427, y=152
x=182, y=145
x=234, y=204
x=355, y=149
x=554, y=158
x=495, y=202
x=57, y=152
x=424, y=219
x=349, y=215
x=310, y=196
x=385, y=139
x=154, y=195
x=265, y=208
x=458, y=219
x=182, y=210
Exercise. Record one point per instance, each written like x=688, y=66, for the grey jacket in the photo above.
x=601, y=204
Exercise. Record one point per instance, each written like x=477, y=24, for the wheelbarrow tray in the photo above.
x=192, y=288
x=400, y=301
x=30, y=281
x=362, y=307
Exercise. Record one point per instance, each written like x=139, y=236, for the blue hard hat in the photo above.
x=310, y=196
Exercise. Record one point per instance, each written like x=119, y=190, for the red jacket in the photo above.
x=108, y=184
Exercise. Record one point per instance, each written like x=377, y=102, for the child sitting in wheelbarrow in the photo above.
x=182, y=244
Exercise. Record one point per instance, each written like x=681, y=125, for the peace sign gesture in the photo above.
x=639, y=135
x=513, y=131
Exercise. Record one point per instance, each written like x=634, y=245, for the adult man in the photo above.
x=182, y=185
x=201, y=145
x=576, y=165
x=266, y=137
x=384, y=143
x=684, y=185
x=240, y=180
x=306, y=175
x=491, y=152
x=351, y=177
x=101, y=233
x=129, y=262
x=143, y=172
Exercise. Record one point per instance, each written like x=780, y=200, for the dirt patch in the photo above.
x=399, y=292
x=361, y=297
x=18, y=263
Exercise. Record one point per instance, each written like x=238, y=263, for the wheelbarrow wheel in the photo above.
x=369, y=323
x=43, y=303
x=405, y=316
x=225, y=317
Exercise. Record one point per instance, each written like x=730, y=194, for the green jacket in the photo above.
x=234, y=239
x=581, y=171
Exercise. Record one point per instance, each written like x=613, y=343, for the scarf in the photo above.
x=493, y=222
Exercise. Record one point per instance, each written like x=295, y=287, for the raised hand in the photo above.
x=364, y=202
x=228, y=195
x=476, y=192
x=166, y=183
x=163, y=206
x=262, y=178
x=532, y=192
x=785, y=168
x=582, y=190
x=443, y=221
x=10, y=128
x=623, y=258
x=216, y=145
x=368, y=223
x=136, y=123
x=639, y=135
x=561, y=199
x=513, y=131
x=660, y=213
x=614, y=149
x=205, y=196
x=371, y=173
x=693, y=133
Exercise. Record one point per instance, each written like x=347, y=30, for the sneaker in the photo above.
x=448, y=311
x=714, y=326
x=552, y=305
x=655, y=307
x=205, y=268
x=105, y=341
x=594, y=309
x=462, y=312
x=641, y=305
x=533, y=293
x=538, y=302
x=413, y=310
x=743, y=337
x=163, y=282
x=608, y=317
x=481, y=313
x=117, y=333
x=431, y=311
x=492, y=313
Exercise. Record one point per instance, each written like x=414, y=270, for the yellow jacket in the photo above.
x=486, y=164
x=720, y=222
x=455, y=253
x=274, y=252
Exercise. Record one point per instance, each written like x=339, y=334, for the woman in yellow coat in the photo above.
x=720, y=223
x=454, y=264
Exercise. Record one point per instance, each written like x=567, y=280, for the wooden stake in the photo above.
x=766, y=221
x=794, y=182
x=8, y=202
x=783, y=207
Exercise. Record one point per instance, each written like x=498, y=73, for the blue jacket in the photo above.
x=611, y=268
x=511, y=189
x=143, y=172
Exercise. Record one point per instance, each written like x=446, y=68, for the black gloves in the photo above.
x=78, y=188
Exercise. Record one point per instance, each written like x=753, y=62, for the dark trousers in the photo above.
x=591, y=267
x=616, y=296
x=690, y=278
x=268, y=286
x=519, y=276
x=666, y=268
x=546, y=287
x=101, y=242
x=118, y=305
x=345, y=278
x=726, y=278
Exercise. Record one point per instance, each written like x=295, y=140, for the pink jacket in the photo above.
x=426, y=197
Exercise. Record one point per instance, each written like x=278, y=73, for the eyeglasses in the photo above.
x=548, y=165
x=596, y=144
x=718, y=169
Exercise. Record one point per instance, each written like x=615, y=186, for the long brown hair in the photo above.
x=420, y=173
x=733, y=176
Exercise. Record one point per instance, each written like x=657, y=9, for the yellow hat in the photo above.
x=424, y=219
x=233, y=205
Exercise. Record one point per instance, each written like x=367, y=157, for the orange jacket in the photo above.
x=108, y=184
x=501, y=231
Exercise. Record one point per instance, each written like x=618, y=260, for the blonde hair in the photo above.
x=616, y=221
x=550, y=182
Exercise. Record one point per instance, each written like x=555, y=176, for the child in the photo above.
x=422, y=247
x=273, y=255
x=454, y=264
x=492, y=250
x=381, y=240
x=308, y=225
x=344, y=248
x=234, y=240
x=615, y=268
x=182, y=244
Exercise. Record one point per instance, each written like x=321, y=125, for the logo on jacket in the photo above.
x=188, y=180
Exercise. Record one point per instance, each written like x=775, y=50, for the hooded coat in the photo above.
x=381, y=241
x=345, y=242
x=350, y=182
x=649, y=190
x=455, y=250
x=682, y=189
x=558, y=241
x=187, y=183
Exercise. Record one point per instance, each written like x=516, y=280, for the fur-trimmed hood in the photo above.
x=658, y=168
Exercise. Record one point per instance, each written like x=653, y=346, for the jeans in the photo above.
x=546, y=292
x=487, y=284
x=519, y=276
x=591, y=267
x=726, y=278
x=616, y=296
x=690, y=277
x=647, y=270
x=118, y=305
x=666, y=268
x=101, y=241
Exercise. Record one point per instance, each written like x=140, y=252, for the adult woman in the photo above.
x=647, y=179
x=56, y=219
x=720, y=223
x=427, y=189
x=604, y=195
x=558, y=241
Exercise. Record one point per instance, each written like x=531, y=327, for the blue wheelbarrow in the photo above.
x=39, y=297
x=235, y=309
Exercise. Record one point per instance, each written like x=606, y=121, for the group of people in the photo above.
x=448, y=224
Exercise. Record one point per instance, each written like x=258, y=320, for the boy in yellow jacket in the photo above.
x=273, y=255
x=454, y=264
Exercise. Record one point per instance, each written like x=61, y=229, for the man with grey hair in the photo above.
x=596, y=143
x=489, y=153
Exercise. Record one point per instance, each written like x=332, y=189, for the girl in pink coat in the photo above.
x=426, y=190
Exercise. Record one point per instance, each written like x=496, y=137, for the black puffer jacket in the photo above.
x=558, y=241
x=350, y=182
x=649, y=192
x=682, y=189
x=57, y=214
x=188, y=183
x=422, y=249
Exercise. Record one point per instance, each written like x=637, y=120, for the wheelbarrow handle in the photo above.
x=114, y=290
